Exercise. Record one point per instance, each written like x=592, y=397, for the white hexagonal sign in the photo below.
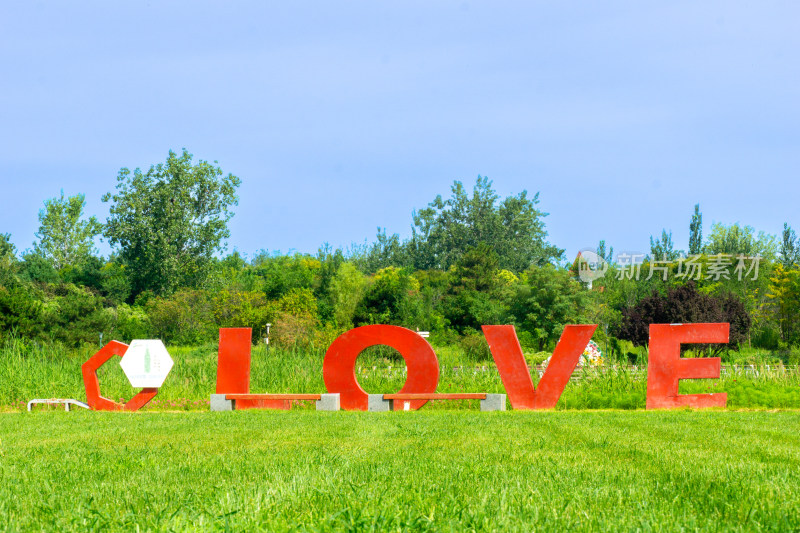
x=146, y=363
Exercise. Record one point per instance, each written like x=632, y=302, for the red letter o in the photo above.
x=338, y=369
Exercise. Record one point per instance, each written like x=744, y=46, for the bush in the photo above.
x=475, y=347
x=242, y=309
x=685, y=304
x=293, y=332
x=20, y=311
x=131, y=323
x=183, y=318
x=74, y=315
x=536, y=358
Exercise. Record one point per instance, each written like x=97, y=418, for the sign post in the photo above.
x=146, y=363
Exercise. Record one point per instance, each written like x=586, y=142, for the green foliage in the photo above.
x=295, y=332
x=20, y=310
x=790, y=247
x=473, y=259
x=446, y=229
x=185, y=317
x=392, y=297
x=115, y=282
x=475, y=347
x=241, y=309
x=74, y=315
x=433, y=290
x=386, y=251
x=696, y=232
x=544, y=301
x=608, y=257
x=663, y=249
x=36, y=268
x=344, y=294
x=299, y=302
x=736, y=239
x=784, y=292
x=169, y=221
x=329, y=266
x=131, y=322
x=280, y=274
x=472, y=296
x=8, y=258
x=64, y=239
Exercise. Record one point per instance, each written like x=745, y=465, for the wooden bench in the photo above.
x=385, y=402
x=227, y=402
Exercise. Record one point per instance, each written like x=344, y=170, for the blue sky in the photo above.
x=344, y=116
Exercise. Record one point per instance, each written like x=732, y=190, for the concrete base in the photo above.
x=328, y=402
x=494, y=402
x=377, y=404
x=219, y=403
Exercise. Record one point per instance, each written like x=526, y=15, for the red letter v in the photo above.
x=513, y=369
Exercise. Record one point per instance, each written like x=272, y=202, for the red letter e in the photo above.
x=665, y=365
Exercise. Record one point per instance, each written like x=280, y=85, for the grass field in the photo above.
x=412, y=471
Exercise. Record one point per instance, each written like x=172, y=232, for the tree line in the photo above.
x=473, y=258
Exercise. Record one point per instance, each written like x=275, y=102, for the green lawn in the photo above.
x=426, y=470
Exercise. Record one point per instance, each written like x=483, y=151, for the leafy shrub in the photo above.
x=293, y=332
x=131, y=323
x=36, y=268
x=536, y=358
x=74, y=315
x=184, y=318
x=299, y=302
x=283, y=273
x=391, y=298
x=242, y=309
x=684, y=304
x=475, y=347
x=20, y=310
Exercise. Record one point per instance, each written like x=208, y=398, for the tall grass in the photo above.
x=33, y=370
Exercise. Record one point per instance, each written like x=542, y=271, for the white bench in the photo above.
x=57, y=401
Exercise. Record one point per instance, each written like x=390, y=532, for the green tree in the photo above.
x=696, y=232
x=344, y=293
x=280, y=274
x=65, y=239
x=330, y=261
x=663, y=249
x=168, y=222
x=385, y=251
x=790, y=247
x=512, y=228
x=36, y=268
x=7, y=248
x=543, y=302
x=8, y=257
x=472, y=298
x=736, y=239
x=784, y=291
x=608, y=257
x=75, y=315
x=392, y=297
